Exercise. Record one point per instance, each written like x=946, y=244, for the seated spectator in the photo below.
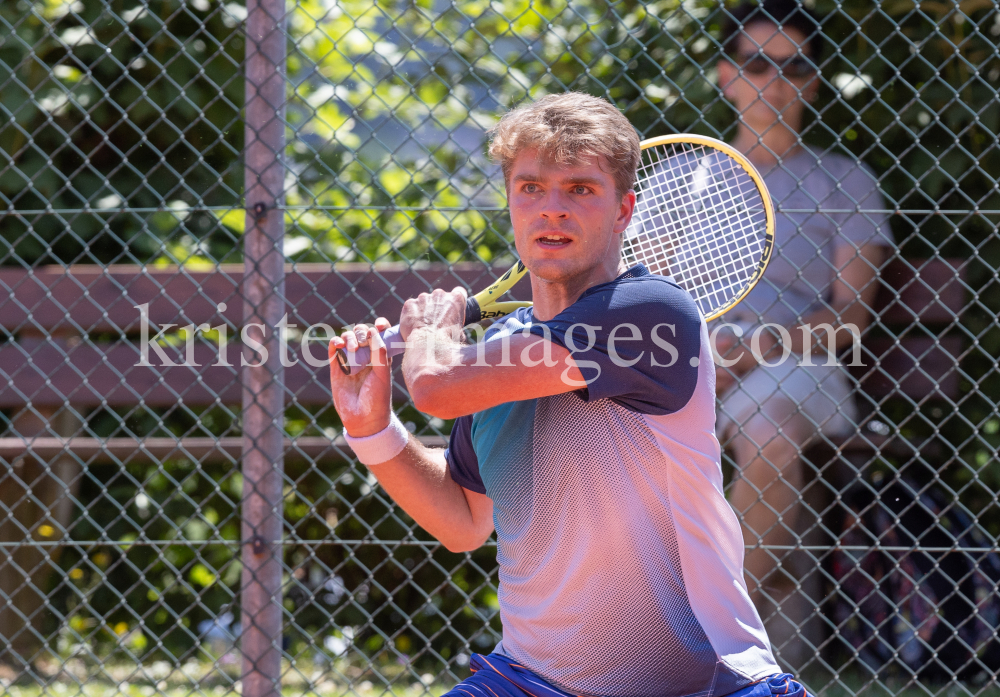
x=830, y=239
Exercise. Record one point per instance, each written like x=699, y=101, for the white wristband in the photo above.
x=382, y=446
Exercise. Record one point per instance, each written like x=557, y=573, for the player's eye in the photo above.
x=530, y=188
x=580, y=189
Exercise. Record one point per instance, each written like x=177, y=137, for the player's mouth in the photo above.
x=553, y=241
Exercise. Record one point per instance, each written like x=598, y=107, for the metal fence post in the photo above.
x=263, y=388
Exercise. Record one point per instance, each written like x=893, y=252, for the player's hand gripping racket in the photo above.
x=485, y=304
x=702, y=216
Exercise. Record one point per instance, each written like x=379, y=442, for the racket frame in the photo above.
x=486, y=304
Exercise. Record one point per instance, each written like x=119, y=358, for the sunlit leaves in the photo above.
x=441, y=75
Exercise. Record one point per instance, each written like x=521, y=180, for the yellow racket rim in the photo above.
x=747, y=166
x=489, y=295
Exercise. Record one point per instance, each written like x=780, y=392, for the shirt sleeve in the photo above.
x=868, y=222
x=463, y=465
x=636, y=342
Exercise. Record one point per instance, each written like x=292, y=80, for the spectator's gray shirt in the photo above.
x=822, y=201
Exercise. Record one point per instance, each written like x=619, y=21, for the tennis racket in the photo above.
x=703, y=217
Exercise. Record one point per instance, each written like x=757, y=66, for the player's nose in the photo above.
x=554, y=206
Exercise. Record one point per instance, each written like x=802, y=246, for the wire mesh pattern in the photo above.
x=158, y=197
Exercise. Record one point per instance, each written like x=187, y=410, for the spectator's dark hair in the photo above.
x=783, y=13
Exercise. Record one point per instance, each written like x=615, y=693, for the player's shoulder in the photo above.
x=510, y=324
x=637, y=281
x=638, y=290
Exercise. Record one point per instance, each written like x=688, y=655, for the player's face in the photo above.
x=567, y=218
x=760, y=94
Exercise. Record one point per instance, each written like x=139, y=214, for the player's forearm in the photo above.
x=430, y=359
x=418, y=481
x=456, y=379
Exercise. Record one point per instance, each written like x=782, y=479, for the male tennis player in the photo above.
x=585, y=437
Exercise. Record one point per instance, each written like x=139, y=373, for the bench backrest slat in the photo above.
x=926, y=292
x=93, y=299
x=53, y=372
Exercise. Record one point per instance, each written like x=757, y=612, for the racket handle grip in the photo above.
x=473, y=313
x=352, y=362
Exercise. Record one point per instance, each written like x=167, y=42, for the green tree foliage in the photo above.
x=176, y=566
x=124, y=107
x=391, y=103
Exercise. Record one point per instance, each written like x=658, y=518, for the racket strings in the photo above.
x=695, y=248
x=700, y=219
x=709, y=221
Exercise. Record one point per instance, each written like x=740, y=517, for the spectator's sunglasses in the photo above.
x=758, y=63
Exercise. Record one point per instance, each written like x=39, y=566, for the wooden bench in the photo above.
x=911, y=356
x=909, y=352
x=61, y=320
x=53, y=312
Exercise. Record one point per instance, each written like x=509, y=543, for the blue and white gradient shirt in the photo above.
x=620, y=561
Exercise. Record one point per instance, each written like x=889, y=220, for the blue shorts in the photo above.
x=497, y=676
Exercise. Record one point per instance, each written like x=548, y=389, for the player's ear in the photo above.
x=625, y=210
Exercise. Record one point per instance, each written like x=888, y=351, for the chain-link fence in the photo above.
x=200, y=166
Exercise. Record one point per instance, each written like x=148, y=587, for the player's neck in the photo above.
x=771, y=145
x=549, y=298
